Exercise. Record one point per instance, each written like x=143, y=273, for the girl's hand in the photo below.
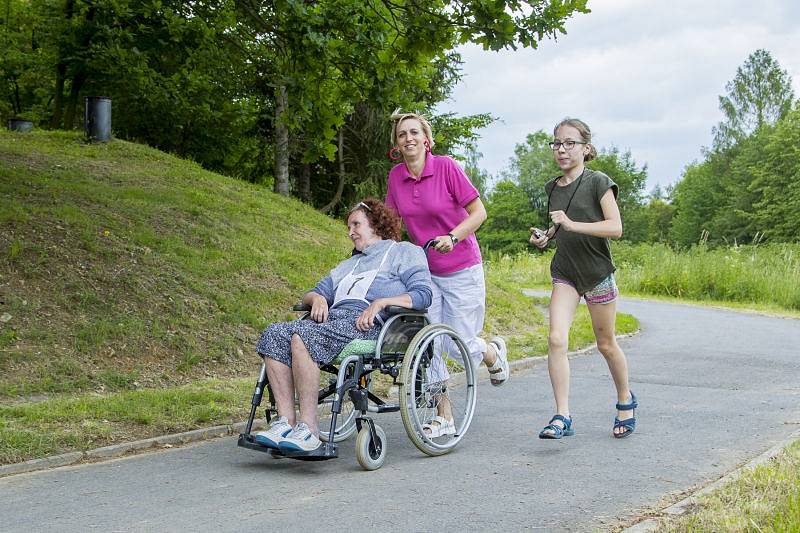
x=540, y=241
x=560, y=217
x=366, y=320
x=445, y=244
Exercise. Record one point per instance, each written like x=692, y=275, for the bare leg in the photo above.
x=563, y=303
x=282, y=385
x=306, y=380
x=604, y=317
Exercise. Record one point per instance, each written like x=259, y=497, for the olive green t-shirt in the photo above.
x=582, y=259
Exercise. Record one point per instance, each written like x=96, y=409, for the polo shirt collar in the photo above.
x=427, y=170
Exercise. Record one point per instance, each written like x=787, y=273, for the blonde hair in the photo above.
x=585, y=132
x=398, y=117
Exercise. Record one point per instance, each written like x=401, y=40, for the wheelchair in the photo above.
x=404, y=351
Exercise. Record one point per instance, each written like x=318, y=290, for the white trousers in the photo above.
x=459, y=300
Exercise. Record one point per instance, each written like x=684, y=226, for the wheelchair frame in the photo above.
x=406, y=341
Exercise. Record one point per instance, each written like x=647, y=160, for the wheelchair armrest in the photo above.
x=391, y=310
x=397, y=309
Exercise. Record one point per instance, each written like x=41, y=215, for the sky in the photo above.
x=646, y=75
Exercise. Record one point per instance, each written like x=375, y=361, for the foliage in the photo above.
x=761, y=93
x=263, y=91
x=745, y=191
x=775, y=184
x=752, y=275
x=506, y=229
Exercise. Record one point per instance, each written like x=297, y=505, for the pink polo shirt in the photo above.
x=434, y=205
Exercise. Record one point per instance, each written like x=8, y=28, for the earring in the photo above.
x=427, y=146
x=395, y=154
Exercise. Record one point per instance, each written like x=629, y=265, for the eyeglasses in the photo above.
x=361, y=204
x=568, y=145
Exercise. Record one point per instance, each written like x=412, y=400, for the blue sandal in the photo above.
x=557, y=431
x=629, y=424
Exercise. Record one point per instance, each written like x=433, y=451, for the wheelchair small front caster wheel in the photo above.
x=371, y=453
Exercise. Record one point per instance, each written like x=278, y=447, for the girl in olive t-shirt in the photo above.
x=582, y=205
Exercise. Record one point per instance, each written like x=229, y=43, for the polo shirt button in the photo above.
x=416, y=193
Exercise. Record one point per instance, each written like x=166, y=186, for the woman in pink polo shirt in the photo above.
x=437, y=201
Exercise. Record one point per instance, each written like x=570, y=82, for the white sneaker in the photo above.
x=300, y=440
x=499, y=371
x=276, y=432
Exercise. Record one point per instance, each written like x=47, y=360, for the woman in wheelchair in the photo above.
x=346, y=304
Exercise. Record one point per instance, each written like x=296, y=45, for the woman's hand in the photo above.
x=540, y=241
x=319, y=309
x=560, y=217
x=444, y=244
x=366, y=320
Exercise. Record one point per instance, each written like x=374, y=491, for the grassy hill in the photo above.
x=133, y=286
x=123, y=266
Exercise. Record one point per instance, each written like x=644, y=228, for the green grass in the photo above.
x=81, y=422
x=765, y=276
x=116, y=255
x=766, y=498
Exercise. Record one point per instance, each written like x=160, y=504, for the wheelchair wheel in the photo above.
x=369, y=453
x=423, y=392
x=345, y=422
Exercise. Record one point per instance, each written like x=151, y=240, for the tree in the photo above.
x=776, y=210
x=507, y=229
x=325, y=57
x=760, y=93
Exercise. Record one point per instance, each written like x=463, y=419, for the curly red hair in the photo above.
x=384, y=220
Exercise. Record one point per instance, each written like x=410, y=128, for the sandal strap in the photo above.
x=567, y=420
x=632, y=404
x=628, y=423
x=557, y=430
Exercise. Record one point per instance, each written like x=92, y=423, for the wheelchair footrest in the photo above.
x=248, y=440
x=324, y=452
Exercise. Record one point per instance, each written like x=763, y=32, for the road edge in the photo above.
x=653, y=521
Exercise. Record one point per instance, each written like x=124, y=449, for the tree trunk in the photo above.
x=337, y=197
x=58, y=99
x=72, y=103
x=281, y=144
x=304, y=183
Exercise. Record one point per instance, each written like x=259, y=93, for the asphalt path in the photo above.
x=716, y=388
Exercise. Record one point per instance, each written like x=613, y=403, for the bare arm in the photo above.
x=476, y=215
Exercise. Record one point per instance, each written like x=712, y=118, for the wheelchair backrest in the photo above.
x=397, y=333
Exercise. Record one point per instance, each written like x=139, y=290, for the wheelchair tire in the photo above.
x=370, y=456
x=420, y=396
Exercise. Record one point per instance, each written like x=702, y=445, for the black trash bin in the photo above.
x=20, y=124
x=97, y=118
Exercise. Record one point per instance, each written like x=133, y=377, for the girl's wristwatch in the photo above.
x=453, y=238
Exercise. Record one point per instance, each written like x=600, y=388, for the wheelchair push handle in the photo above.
x=430, y=244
